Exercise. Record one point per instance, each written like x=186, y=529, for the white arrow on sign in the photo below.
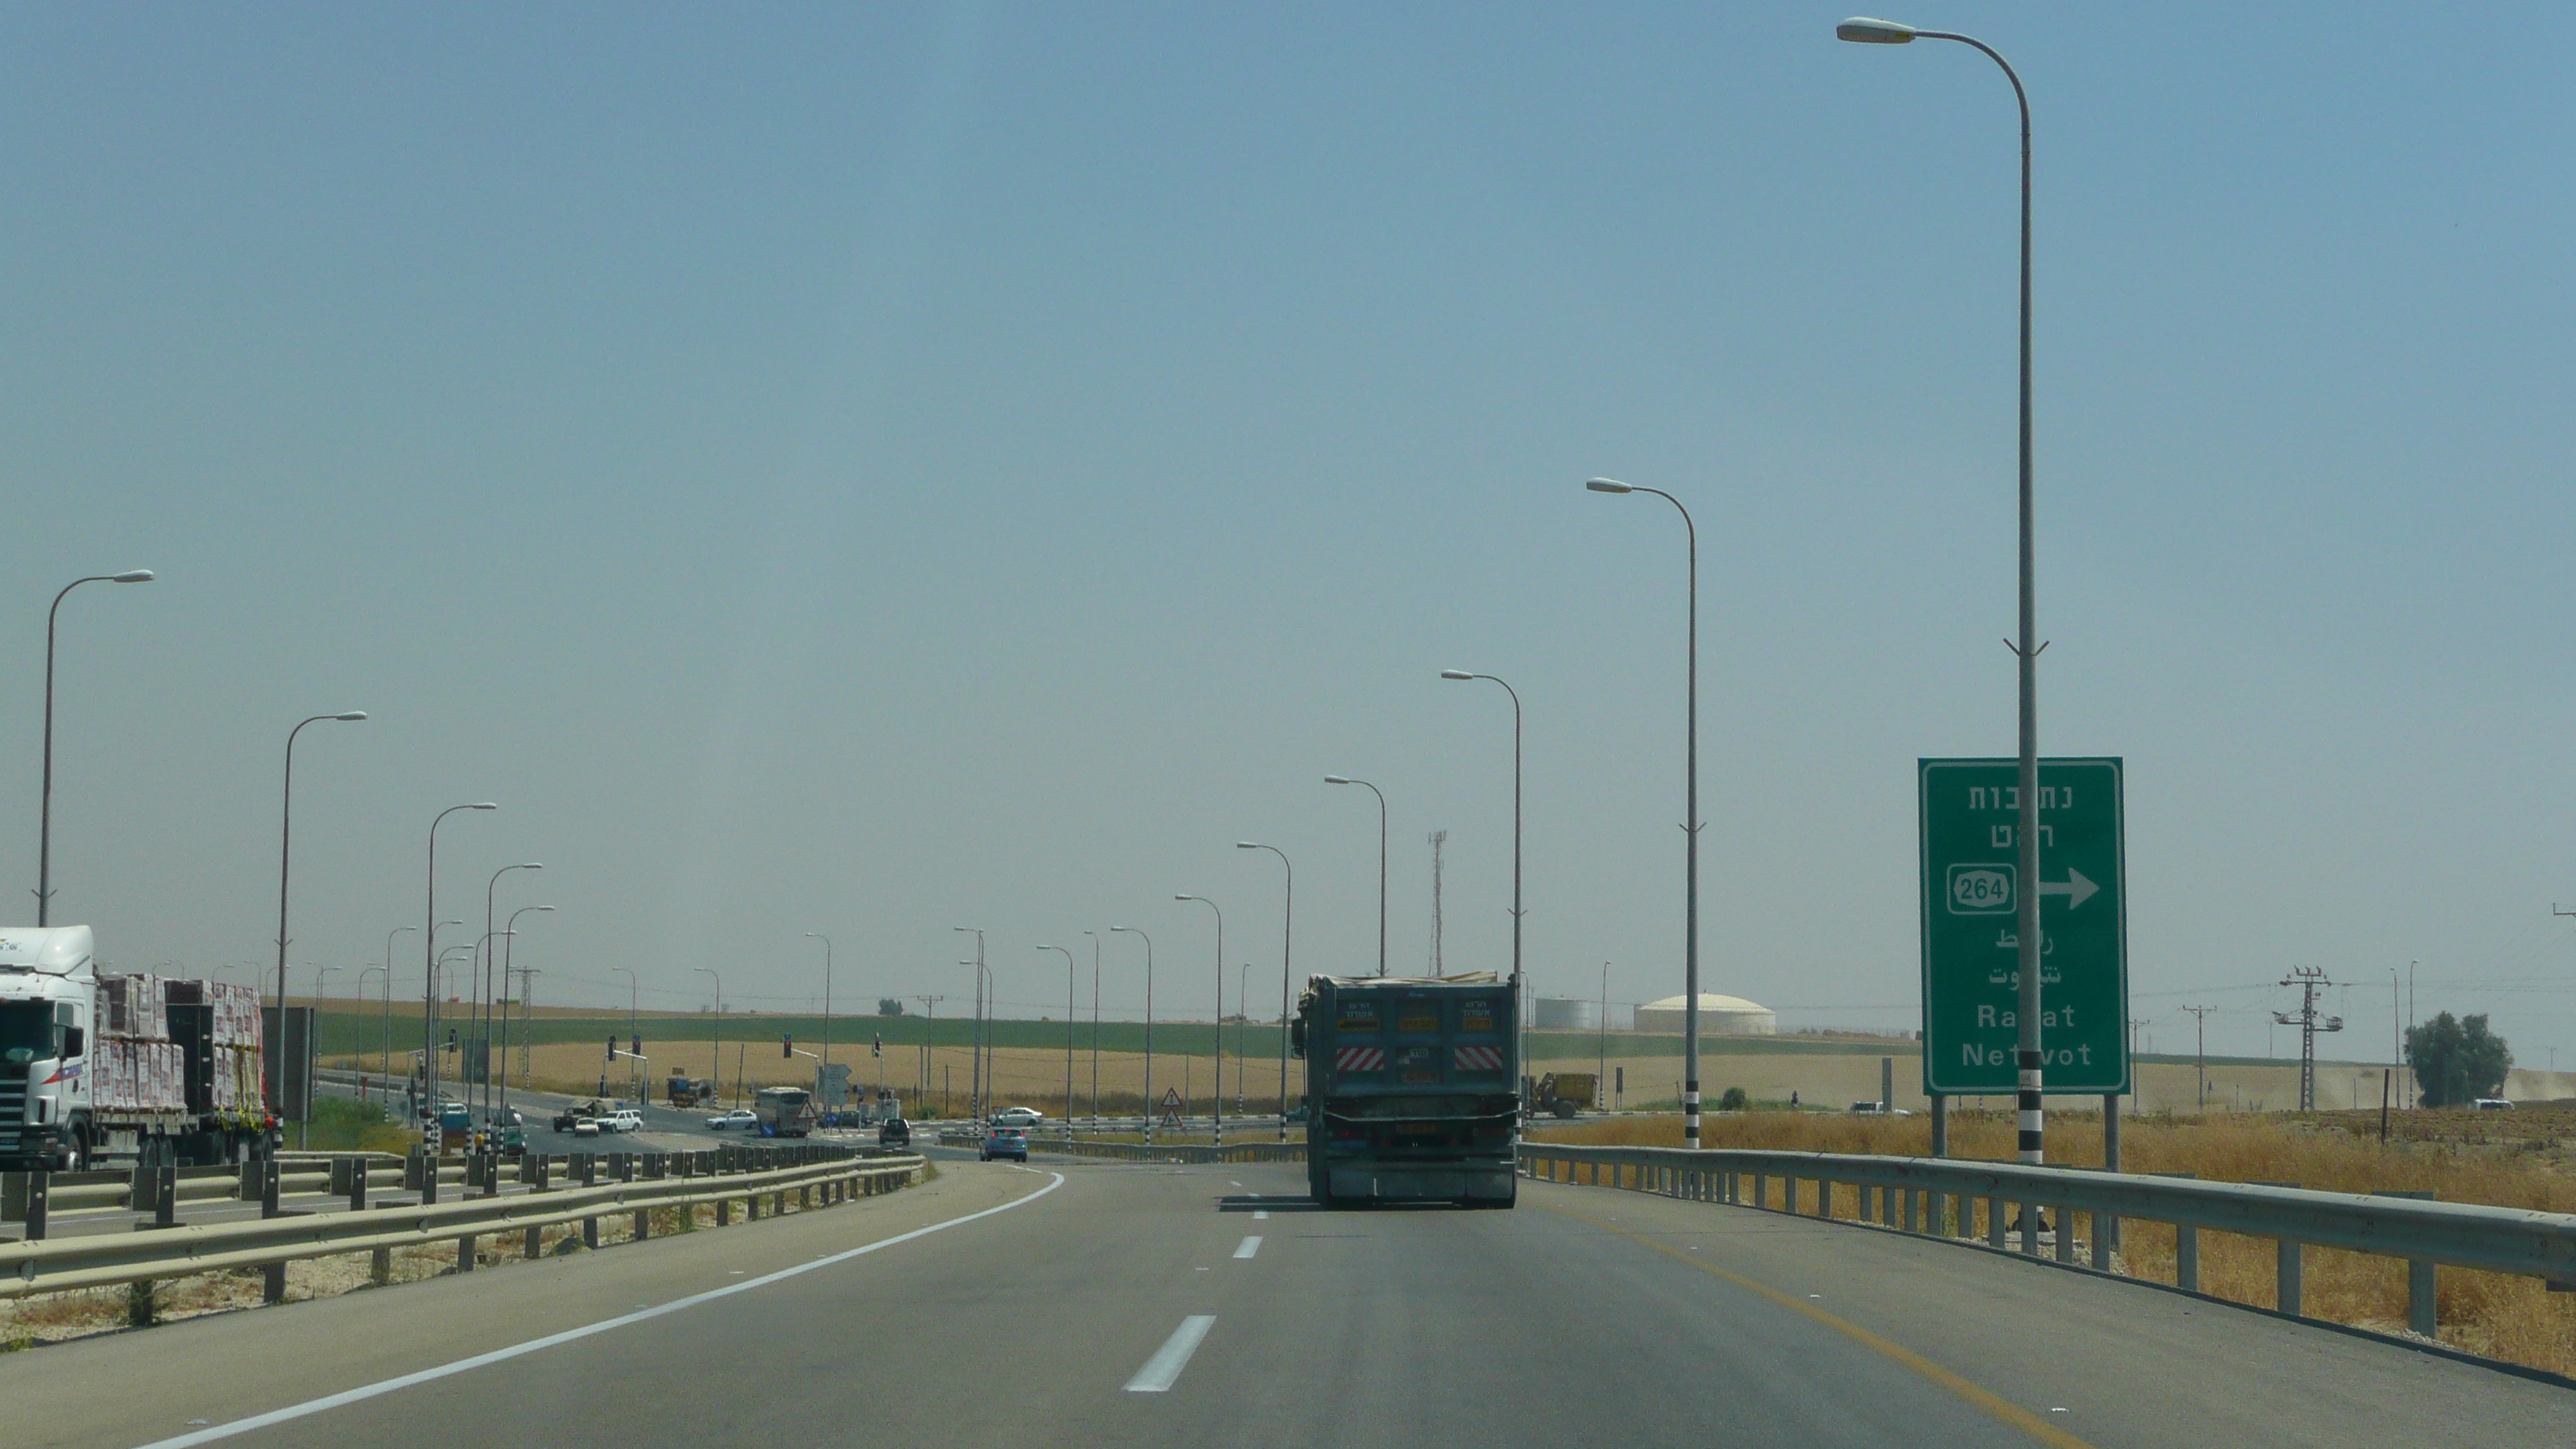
x=2075, y=888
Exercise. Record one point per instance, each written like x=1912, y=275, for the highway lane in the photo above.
x=1130, y=1305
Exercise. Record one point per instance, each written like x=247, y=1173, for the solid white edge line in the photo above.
x=1248, y=1246
x=1165, y=1366
x=498, y=1355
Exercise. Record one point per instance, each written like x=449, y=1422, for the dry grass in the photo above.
x=2517, y=1162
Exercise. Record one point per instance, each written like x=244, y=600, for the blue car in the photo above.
x=1006, y=1142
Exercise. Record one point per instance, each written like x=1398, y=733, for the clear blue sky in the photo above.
x=871, y=470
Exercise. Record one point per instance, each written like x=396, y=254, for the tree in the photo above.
x=888, y=1006
x=2457, y=1059
x=1733, y=1101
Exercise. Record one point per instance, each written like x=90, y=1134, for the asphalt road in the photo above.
x=1158, y=1305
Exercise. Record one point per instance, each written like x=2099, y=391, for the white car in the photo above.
x=1018, y=1117
x=585, y=1127
x=624, y=1119
x=738, y=1117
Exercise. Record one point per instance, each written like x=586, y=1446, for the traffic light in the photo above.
x=876, y=1048
x=639, y=1046
x=612, y=1046
x=451, y=1038
x=787, y=1046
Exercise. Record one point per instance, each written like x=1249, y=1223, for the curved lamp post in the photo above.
x=45, y=816
x=509, y=951
x=718, y=1054
x=1866, y=31
x=1287, y=920
x=977, y=1086
x=484, y=977
x=1068, y=1039
x=1520, y=1005
x=429, y=956
x=1216, y=1103
x=1381, y=861
x=1095, y=1029
x=825, y=1070
x=1149, y=1027
x=285, y=835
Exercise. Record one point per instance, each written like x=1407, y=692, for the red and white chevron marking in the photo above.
x=1359, y=1059
x=1477, y=1059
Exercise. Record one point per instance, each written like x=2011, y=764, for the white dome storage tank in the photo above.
x=1718, y=1016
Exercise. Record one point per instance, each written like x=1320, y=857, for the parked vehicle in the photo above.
x=2491, y=1104
x=1022, y=1117
x=738, y=1117
x=894, y=1133
x=1006, y=1142
x=140, y=1068
x=1415, y=1087
x=1562, y=1094
x=784, y=1111
x=1879, y=1109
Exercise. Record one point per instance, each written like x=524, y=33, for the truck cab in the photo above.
x=46, y=1001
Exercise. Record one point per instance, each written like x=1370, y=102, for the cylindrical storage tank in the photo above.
x=1718, y=1016
x=1565, y=1013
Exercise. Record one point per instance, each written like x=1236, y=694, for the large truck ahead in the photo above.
x=1411, y=1089
x=98, y=1067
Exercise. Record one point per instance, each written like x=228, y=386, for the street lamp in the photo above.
x=1381, y=861
x=1520, y=1006
x=1866, y=31
x=509, y=953
x=361, y=995
x=1287, y=920
x=389, y=1004
x=632, y=1030
x=285, y=834
x=429, y=954
x=824, y=1073
x=45, y=818
x=1216, y=1103
x=1095, y=1029
x=1149, y=1028
x=1068, y=1038
x=485, y=987
x=975, y=1074
x=1690, y=824
x=709, y=971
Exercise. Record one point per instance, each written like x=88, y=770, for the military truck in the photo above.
x=1413, y=1082
x=1563, y=1094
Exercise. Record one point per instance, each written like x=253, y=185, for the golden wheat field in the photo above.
x=2522, y=1162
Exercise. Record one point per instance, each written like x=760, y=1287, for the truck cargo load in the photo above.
x=1413, y=1089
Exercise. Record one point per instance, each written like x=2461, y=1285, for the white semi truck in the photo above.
x=96, y=1069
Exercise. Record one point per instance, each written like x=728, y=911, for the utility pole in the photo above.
x=2200, y=1048
x=2307, y=979
x=2136, y=1099
x=929, y=1027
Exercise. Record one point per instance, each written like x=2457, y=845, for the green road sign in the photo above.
x=1971, y=975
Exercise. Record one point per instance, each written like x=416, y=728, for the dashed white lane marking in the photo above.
x=1165, y=1366
x=1247, y=1247
x=1261, y=1215
x=386, y=1386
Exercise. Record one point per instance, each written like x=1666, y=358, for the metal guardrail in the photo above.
x=1936, y=1197
x=99, y=1260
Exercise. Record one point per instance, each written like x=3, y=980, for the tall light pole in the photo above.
x=1520, y=1004
x=301, y=1128
x=1601, y=1045
x=483, y=987
x=824, y=1072
x=1690, y=819
x=1381, y=861
x=975, y=1085
x=1866, y=31
x=1287, y=920
x=45, y=817
x=509, y=951
x=632, y=1029
x=389, y=1006
x=1216, y=1103
x=1149, y=1028
x=1095, y=1029
x=709, y=971
x=361, y=997
x=1242, y=1031
x=1068, y=1038
x=285, y=835
x=429, y=959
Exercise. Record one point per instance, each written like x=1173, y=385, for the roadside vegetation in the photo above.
x=2524, y=1159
